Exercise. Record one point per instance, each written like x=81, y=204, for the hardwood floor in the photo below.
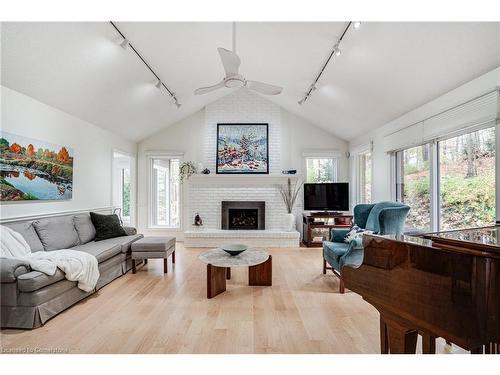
x=154, y=312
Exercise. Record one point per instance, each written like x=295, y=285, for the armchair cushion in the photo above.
x=335, y=249
x=338, y=235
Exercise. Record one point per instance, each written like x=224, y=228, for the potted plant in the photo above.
x=186, y=169
x=289, y=196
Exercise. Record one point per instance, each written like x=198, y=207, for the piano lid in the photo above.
x=485, y=239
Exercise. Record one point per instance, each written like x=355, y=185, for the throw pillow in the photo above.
x=355, y=233
x=107, y=226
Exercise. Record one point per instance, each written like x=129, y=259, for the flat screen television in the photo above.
x=326, y=196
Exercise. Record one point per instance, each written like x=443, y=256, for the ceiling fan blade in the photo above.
x=205, y=90
x=230, y=60
x=264, y=88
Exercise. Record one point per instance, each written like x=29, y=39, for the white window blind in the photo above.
x=477, y=112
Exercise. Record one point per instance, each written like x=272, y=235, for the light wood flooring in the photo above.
x=152, y=312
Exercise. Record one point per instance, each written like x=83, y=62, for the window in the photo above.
x=467, y=180
x=365, y=177
x=450, y=183
x=321, y=169
x=125, y=195
x=413, y=185
x=165, y=192
x=123, y=187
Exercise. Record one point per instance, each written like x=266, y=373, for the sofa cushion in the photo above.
x=27, y=230
x=34, y=280
x=125, y=242
x=84, y=228
x=57, y=233
x=107, y=226
x=102, y=250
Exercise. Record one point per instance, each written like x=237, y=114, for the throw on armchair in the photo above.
x=381, y=218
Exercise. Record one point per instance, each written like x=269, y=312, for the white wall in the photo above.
x=195, y=136
x=93, y=148
x=381, y=169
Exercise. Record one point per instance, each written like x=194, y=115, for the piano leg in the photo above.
x=384, y=341
x=402, y=340
x=428, y=343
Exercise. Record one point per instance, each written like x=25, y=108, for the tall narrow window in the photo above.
x=165, y=192
x=467, y=180
x=126, y=195
x=413, y=185
x=321, y=169
x=365, y=177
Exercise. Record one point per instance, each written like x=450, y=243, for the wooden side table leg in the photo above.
x=216, y=280
x=261, y=274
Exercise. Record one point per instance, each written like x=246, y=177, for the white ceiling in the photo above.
x=385, y=70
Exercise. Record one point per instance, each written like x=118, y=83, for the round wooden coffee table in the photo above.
x=219, y=263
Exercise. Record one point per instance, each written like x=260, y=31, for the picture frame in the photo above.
x=242, y=148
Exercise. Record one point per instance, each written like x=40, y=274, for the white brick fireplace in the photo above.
x=205, y=194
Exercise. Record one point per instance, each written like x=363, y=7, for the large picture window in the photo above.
x=413, y=185
x=467, y=180
x=449, y=183
x=165, y=193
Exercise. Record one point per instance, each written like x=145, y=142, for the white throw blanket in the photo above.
x=76, y=265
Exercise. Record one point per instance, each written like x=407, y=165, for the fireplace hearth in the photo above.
x=243, y=215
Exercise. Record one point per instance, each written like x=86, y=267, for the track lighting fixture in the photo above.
x=124, y=43
x=336, y=51
x=159, y=83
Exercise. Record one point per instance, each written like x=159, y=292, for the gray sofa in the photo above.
x=30, y=298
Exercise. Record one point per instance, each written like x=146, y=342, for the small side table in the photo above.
x=219, y=263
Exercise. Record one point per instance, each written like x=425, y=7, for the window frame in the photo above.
x=434, y=170
x=334, y=158
x=151, y=194
x=360, y=176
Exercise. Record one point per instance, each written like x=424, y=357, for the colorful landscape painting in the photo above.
x=242, y=148
x=34, y=170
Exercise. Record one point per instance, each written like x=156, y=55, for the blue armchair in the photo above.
x=381, y=218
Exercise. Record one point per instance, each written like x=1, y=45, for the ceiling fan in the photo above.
x=233, y=78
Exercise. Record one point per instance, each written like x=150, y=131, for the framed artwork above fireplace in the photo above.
x=242, y=148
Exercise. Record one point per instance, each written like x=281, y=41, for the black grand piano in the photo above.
x=443, y=284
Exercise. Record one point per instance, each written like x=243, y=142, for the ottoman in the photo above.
x=153, y=248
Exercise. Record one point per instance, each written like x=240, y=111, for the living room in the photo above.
x=250, y=186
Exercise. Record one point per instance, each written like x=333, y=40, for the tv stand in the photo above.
x=317, y=226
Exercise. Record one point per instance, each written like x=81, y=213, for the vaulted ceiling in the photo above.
x=385, y=69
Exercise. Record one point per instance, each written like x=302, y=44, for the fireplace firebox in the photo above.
x=241, y=215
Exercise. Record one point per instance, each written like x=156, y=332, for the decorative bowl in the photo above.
x=234, y=249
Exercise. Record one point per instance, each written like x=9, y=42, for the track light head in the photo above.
x=158, y=84
x=336, y=50
x=357, y=24
x=301, y=101
x=124, y=43
x=177, y=104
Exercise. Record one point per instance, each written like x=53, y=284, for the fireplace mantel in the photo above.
x=242, y=179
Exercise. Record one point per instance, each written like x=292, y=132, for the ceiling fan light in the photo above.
x=357, y=24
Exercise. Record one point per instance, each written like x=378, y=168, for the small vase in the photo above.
x=289, y=223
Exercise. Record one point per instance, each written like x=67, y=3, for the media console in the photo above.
x=317, y=226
